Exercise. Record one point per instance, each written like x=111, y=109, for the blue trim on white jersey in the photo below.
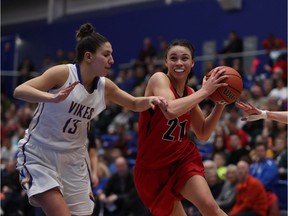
x=80, y=78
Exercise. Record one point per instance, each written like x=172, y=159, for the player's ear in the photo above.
x=165, y=61
x=193, y=63
x=88, y=56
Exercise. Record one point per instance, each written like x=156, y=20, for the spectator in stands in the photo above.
x=267, y=86
x=122, y=118
x=119, y=195
x=14, y=202
x=279, y=93
x=7, y=56
x=25, y=70
x=281, y=130
x=112, y=154
x=151, y=69
x=122, y=139
x=214, y=182
x=102, y=122
x=140, y=73
x=227, y=196
x=237, y=152
x=245, y=95
x=163, y=45
x=47, y=63
x=273, y=43
x=234, y=129
x=232, y=114
x=60, y=57
x=220, y=130
x=24, y=115
x=219, y=145
x=234, y=45
x=251, y=196
x=280, y=156
x=257, y=95
x=264, y=169
x=8, y=150
x=132, y=144
x=279, y=146
x=103, y=176
x=147, y=52
x=278, y=68
x=71, y=57
x=125, y=80
x=139, y=90
x=122, y=76
x=220, y=159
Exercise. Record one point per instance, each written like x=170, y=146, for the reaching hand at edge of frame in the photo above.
x=252, y=112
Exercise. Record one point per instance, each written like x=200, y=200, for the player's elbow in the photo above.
x=201, y=135
x=169, y=114
x=17, y=93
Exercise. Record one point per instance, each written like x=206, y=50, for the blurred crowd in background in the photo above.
x=262, y=144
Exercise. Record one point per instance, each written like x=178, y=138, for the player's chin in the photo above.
x=106, y=71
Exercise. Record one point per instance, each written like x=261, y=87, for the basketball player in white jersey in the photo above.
x=52, y=158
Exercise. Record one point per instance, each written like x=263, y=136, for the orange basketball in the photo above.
x=229, y=93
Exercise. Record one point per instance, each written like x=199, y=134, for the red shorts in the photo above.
x=159, y=188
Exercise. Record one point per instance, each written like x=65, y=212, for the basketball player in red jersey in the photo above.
x=168, y=166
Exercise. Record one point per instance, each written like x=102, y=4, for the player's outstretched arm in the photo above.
x=253, y=113
x=136, y=104
x=36, y=89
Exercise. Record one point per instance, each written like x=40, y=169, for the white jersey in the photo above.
x=63, y=125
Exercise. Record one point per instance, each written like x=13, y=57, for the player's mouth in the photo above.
x=179, y=70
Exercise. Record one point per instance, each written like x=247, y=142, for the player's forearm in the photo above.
x=280, y=116
x=140, y=104
x=183, y=105
x=30, y=94
x=210, y=122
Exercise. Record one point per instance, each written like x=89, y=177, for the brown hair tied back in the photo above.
x=85, y=30
x=87, y=41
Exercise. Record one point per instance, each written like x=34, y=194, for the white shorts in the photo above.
x=43, y=169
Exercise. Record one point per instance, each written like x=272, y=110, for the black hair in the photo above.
x=88, y=40
x=181, y=42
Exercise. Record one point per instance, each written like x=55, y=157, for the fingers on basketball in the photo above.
x=232, y=91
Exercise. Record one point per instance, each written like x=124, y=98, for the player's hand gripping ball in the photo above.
x=232, y=91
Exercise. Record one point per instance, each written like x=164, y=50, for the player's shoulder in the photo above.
x=158, y=77
x=57, y=71
x=63, y=68
x=158, y=80
x=110, y=86
x=159, y=74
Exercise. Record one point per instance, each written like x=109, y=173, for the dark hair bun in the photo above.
x=84, y=31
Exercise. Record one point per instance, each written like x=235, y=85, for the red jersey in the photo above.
x=162, y=141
